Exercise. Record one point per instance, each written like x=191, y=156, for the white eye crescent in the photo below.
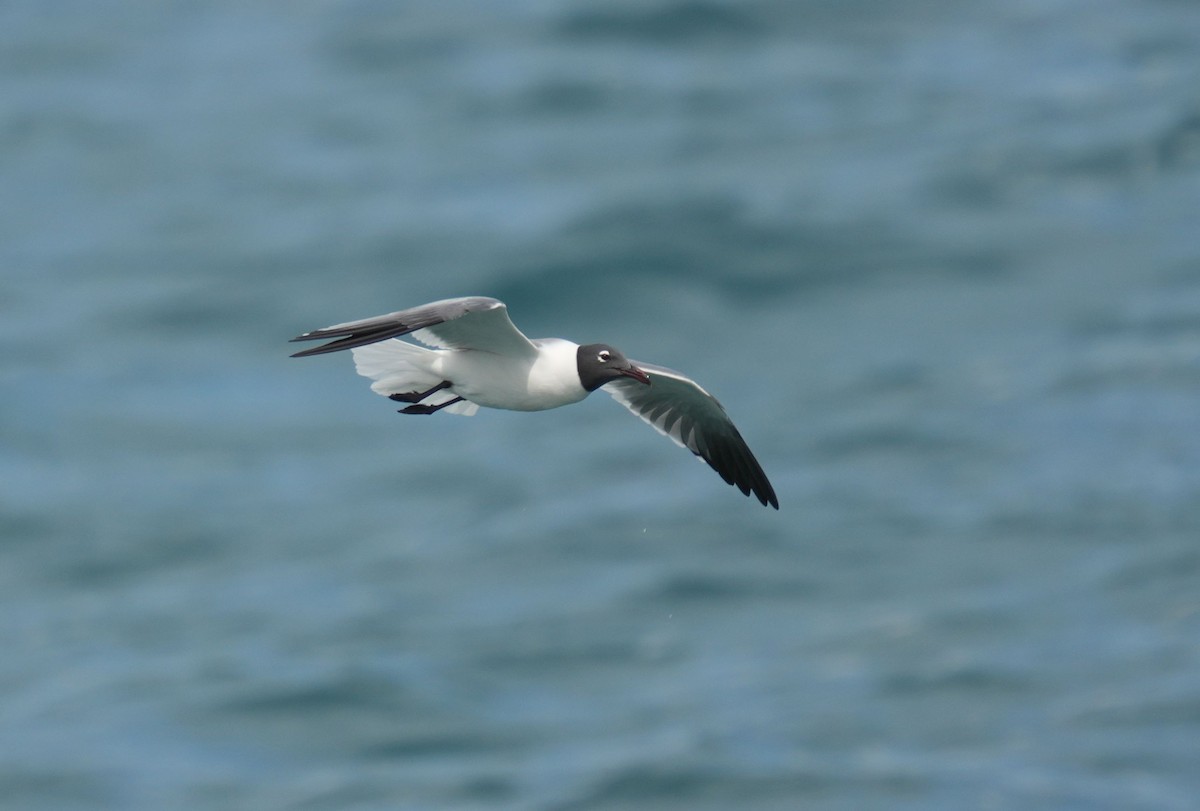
x=603, y=356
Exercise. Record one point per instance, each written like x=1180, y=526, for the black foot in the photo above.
x=429, y=409
x=417, y=396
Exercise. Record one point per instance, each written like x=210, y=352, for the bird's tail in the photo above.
x=398, y=367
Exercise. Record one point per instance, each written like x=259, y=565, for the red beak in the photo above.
x=636, y=373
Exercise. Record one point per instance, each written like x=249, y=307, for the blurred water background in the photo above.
x=940, y=260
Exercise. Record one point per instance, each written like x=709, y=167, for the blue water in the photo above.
x=940, y=261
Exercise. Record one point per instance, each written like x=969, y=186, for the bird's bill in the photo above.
x=637, y=374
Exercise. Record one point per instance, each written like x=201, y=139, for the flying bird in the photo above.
x=479, y=358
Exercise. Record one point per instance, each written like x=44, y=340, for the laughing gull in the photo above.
x=480, y=359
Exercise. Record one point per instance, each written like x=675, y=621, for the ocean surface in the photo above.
x=939, y=260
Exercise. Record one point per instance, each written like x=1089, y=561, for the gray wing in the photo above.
x=475, y=322
x=678, y=408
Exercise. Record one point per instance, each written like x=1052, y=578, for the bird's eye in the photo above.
x=604, y=356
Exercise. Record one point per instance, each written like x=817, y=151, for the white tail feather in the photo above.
x=464, y=409
x=398, y=367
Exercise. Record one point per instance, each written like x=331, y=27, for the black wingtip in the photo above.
x=765, y=497
x=739, y=469
x=302, y=352
x=737, y=466
x=762, y=487
x=316, y=350
x=765, y=492
x=309, y=336
x=351, y=336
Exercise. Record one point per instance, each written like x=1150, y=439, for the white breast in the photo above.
x=497, y=381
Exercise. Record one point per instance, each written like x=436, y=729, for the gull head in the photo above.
x=600, y=363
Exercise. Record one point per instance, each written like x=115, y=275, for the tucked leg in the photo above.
x=417, y=396
x=429, y=409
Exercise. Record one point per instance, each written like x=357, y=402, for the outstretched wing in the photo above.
x=475, y=322
x=678, y=408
